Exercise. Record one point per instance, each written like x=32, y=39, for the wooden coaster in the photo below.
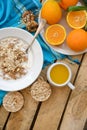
x=13, y=101
x=40, y=90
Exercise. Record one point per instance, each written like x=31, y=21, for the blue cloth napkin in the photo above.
x=10, y=16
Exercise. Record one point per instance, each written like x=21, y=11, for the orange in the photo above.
x=51, y=11
x=66, y=3
x=55, y=34
x=76, y=19
x=77, y=40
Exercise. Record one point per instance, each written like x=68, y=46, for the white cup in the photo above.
x=53, y=68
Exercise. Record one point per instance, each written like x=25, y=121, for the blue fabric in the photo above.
x=10, y=15
x=2, y=94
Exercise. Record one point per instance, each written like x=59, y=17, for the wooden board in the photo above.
x=22, y=119
x=3, y=117
x=51, y=111
x=76, y=112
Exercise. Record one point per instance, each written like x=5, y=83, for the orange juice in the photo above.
x=59, y=74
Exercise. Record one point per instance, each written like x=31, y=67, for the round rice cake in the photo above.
x=13, y=101
x=40, y=90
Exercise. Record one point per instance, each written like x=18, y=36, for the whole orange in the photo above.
x=51, y=11
x=77, y=40
x=66, y=3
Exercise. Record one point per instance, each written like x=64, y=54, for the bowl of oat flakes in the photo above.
x=18, y=69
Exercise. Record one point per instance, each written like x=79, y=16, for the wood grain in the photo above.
x=51, y=111
x=22, y=119
x=3, y=117
x=76, y=112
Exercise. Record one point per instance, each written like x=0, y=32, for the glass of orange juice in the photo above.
x=59, y=74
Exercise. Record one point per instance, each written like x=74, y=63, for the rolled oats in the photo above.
x=28, y=16
x=13, y=58
x=28, y=19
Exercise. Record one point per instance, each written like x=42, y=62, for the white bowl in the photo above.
x=35, y=60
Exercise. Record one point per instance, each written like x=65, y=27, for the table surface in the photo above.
x=64, y=110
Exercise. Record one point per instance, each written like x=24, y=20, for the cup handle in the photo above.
x=71, y=85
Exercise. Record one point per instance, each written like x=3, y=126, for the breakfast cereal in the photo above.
x=13, y=58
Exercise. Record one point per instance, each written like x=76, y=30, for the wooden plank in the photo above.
x=76, y=112
x=3, y=117
x=51, y=110
x=22, y=119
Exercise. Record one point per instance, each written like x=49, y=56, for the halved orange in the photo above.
x=55, y=34
x=76, y=19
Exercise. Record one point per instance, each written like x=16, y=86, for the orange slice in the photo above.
x=55, y=34
x=76, y=19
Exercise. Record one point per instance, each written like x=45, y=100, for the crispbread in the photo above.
x=13, y=101
x=40, y=90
